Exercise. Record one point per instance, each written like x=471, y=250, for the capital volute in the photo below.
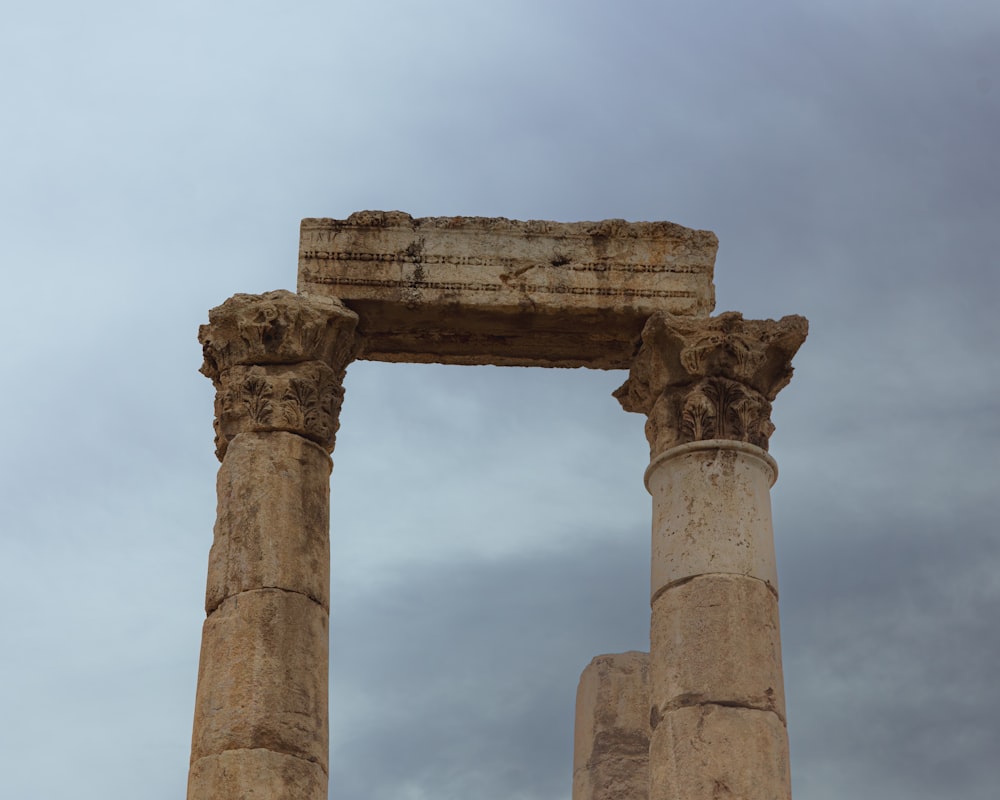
x=715, y=378
x=277, y=361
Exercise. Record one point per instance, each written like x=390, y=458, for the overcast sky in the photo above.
x=490, y=528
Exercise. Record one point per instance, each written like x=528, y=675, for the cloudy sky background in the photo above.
x=490, y=529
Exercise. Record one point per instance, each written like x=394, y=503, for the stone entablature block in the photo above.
x=477, y=290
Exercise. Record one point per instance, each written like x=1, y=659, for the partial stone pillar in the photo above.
x=261, y=724
x=717, y=708
x=611, y=737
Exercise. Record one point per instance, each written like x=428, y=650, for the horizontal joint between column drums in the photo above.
x=235, y=598
x=305, y=440
x=682, y=581
x=657, y=713
x=250, y=750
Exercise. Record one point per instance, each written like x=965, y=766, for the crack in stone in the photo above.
x=290, y=591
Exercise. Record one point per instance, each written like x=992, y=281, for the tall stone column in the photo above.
x=717, y=713
x=261, y=722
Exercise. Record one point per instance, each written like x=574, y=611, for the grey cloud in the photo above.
x=889, y=657
x=471, y=669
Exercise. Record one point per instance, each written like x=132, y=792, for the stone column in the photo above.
x=717, y=713
x=261, y=722
x=611, y=735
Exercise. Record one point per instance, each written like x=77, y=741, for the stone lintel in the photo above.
x=478, y=290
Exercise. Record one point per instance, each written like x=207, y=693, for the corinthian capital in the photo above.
x=712, y=378
x=277, y=328
x=277, y=361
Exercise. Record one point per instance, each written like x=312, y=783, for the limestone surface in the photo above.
x=711, y=513
x=475, y=290
x=716, y=688
x=701, y=715
x=611, y=739
x=262, y=677
x=713, y=752
x=261, y=727
x=272, y=529
x=277, y=362
x=256, y=775
x=699, y=379
x=276, y=327
x=721, y=643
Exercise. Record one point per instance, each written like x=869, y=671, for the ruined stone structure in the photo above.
x=702, y=715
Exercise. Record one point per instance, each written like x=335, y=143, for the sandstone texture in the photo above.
x=475, y=290
x=611, y=739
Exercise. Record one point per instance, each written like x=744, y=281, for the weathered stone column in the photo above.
x=611, y=734
x=260, y=727
x=717, y=713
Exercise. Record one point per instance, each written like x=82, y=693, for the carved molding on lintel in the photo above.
x=700, y=379
x=277, y=361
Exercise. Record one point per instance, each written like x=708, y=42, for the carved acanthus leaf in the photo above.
x=277, y=361
x=718, y=408
x=299, y=398
x=254, y=397
x=699, y=379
